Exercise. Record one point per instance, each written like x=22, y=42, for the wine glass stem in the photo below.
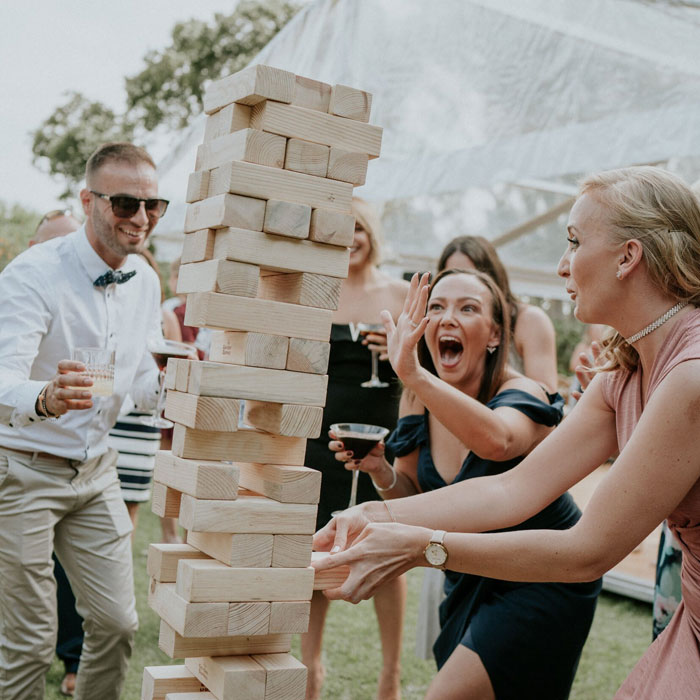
x=375, y=364
x=353, y=488
x=160, y=404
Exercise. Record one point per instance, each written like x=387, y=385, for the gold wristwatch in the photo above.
x=435, y=552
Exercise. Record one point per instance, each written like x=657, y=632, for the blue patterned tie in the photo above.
x=113, y=276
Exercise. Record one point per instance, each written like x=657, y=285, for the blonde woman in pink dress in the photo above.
x=633, y=263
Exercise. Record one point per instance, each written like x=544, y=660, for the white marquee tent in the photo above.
x=491, y=111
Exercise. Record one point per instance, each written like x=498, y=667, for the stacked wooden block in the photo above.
x=266, y=248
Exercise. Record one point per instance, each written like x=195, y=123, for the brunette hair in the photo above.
x=122, y=151
x=496, y=362
x=485, y=258
x=659, y=210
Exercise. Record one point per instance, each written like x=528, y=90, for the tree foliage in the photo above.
x=166, y=93
x=17, y=224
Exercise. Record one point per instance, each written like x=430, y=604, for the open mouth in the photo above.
x=450, y=349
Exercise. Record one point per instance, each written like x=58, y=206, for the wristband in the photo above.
x=391, y=485
x=41, y=400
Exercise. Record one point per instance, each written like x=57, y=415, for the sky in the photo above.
x=50, y=47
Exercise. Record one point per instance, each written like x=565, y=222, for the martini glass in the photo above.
x=162, y=350
x=360, y=438
x=373, y=382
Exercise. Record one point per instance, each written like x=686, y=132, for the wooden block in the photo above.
x=222, y=311
x=205, y=695
x=227, y=120
x=250, y=349
x=287, y=219
x=311, y=125
x=306, y=157
x=350, y=103
x=263, y=182
x=158, y=681
x=211, y=581
x=347, y=166
x=230, y=676
x=244, y=445
x=311, y=94
x=165, y=501
x=290, y=616
x=259, y=383
x=198, y=246
x=291, y=551
x=282, y=254
x=219, y=275
x=308, y=356
x=287, y=484
x=248, y=515
x=202, y=412
x=222, y=210
x=201, y=479
x=182, y=375
x=170, y=373
x=250, y=145
x=163, y=558
x=188, y=619
x=249, y=618
x=330, y=578
x=304, y=288
x=331, y=227
x=178, y=647
x=250, y=86
x=238, y=550
x=197, y=186
x=291, y=420
x=286, y=676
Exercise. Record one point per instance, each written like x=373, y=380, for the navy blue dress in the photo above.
x=529, y=636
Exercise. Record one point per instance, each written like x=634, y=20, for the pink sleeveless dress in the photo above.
x=670, y=668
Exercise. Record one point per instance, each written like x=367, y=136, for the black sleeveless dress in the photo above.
x=350, y=364
x=529, y=636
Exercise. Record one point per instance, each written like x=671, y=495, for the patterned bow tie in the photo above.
x=113, y=276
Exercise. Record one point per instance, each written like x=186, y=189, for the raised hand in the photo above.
x=403, y=337
x=584, y=370
x=372, y=464
x=69, y=390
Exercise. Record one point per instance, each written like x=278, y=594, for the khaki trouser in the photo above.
x=76, y=508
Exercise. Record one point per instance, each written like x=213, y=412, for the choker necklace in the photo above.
x=656, y=324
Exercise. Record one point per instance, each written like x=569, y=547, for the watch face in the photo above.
x=436, y=554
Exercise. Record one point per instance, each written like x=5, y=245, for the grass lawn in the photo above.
x=620, y=634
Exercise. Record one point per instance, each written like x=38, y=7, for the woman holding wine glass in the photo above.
x=504, y=416
x=365, y=292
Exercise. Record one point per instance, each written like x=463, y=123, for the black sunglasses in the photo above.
x=125, y=206
x=54, y=214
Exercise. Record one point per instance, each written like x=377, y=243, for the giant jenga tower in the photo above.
x=266, y=248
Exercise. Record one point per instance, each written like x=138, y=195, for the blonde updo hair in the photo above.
x=367, y=218
x=659, y=210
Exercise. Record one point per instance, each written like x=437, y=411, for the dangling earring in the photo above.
x=491, y=349
x=618, y=274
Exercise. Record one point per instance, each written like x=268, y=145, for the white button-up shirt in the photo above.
x=48, y=307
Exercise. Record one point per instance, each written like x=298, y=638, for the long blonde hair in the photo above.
x=366, y=217
x=659, y=210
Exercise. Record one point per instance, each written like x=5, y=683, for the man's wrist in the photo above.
x=41, y=408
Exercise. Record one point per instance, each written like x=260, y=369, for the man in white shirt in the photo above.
x=58, y=485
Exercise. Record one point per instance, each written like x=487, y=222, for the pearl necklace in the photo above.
x=659, y=322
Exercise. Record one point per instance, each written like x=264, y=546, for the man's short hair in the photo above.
x=116, y=151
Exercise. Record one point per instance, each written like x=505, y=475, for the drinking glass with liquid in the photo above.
x=99, y=366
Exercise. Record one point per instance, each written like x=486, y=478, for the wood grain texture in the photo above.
x=250, y=86
x=350, y=103
x=250, y=349
x=198, y=246
x=250, y=145
x=198, y=478
x=286, y=676
x=291, y=551
x=263, y=182
x=228, y=119
x=287, y=218
x=202, y=412
x=197, y=186
x=306, y=157
x=219, y=275
x=282, y=254
x=165, y=501
x=309, y=356
x=282, y=482
x=229, y=677
x=291, y=420
x=347, y=166
x=224, y=209
x=304, y=288
x=162, y=560
x=158, y=681
x=239, y=550
x=311, y=94
x=311, y=125
x=332, y=227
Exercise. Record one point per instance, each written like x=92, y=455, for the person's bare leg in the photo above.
x=168, y=528
x=463, y=677
x=312, y=646
x=133, y=509
x=390, y=605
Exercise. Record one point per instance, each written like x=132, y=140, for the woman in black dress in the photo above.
x=486, y=624
x=364, y=293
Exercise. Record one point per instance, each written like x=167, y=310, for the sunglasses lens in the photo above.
x=156, y=206
x=124, y=207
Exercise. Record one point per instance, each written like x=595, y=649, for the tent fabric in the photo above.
x=476, y=95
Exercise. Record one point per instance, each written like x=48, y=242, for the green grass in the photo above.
x=620, y=634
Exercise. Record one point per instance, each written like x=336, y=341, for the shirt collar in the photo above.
x=92, y=263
